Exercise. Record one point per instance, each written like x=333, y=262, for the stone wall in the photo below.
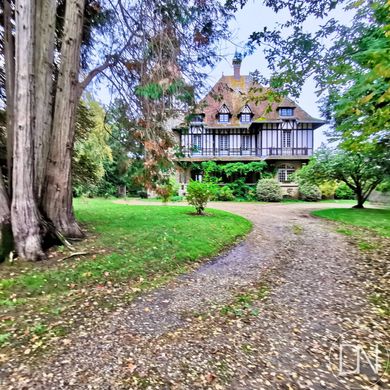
x=380, y=198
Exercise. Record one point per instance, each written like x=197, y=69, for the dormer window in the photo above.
x=286, y=111
x=223, y=114
x=245, y=118
x=245, y=114
x=223, y=118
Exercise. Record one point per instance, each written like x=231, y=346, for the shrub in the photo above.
x=143, y=194
x=327, y=189
x=168, y=190
x=198, y=194
x=310, y=192
x=269, y=190
x=344, y=192
x=225, y=193
x=177, y=198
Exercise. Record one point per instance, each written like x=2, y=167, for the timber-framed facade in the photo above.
x=230, y=127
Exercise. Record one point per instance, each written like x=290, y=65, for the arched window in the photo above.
x=285, y=172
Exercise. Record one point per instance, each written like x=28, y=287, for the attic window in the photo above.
x=286, y=111
x=245, y=118
x=246, y=114
x=223, y=118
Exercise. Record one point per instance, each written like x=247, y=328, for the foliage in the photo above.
x=145, y=246
x=225, y=193
x=349, y=63
x=91, y=150
x=268, y=190
x=310, y=192
x=361, y=171
x=177, y=198
x=384, y=186
x=328, y=189
x=362, y=110
x=233, y=174
x=142, y=194
x=198, y=194
x=344, y=192
x=374, y=219
x=239, y=188
x=125, y=168
x=168, y=190
x=212, y=169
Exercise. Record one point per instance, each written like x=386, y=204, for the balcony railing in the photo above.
x=256, y=152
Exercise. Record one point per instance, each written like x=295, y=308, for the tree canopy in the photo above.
x=362, y=171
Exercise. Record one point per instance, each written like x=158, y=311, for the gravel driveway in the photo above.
x=264, y=315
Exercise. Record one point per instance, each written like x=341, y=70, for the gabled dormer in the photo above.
x=245, y=114
x=224, y=114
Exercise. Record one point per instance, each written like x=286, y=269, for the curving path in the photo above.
x=183, y=336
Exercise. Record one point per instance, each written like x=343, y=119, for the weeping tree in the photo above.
x=146, y=46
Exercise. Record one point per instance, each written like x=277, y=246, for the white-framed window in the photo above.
x=223, y=118
x=245, y=118
x=197, y=142
x=285, y=172
x=223, y=142
x=286, y=139
x=245, y=142
x=286, y=111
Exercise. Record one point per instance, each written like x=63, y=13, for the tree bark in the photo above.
x=360, y=198
x=43, y=70
x=9, y=59
x=24, y=212
x=5, y=222
x=57, y=202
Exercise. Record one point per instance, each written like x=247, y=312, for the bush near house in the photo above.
x=310, y=192
x=238, y=176
x=199, y=193
x=269, y=190
x=225, y=193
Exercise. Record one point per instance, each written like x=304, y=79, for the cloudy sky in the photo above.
x=254, y=17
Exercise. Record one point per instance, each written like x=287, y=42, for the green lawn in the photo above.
x=374, y=219
x=130, y=249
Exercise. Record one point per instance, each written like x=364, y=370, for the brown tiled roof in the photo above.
x=235, y=94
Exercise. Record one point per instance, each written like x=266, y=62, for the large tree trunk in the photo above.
x=58, y=189
x=43, y=70
x=24, y=212
x=360, y=198
x=5, y=222
x=9, y=53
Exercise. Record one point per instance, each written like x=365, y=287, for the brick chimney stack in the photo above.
x=237, y=59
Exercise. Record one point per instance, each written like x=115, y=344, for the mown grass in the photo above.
x=141, y=241
x=377, y=220
x=130, y=249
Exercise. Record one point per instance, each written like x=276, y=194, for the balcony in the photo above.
x=245, y=153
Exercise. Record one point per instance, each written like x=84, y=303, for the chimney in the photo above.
x=237, y=59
